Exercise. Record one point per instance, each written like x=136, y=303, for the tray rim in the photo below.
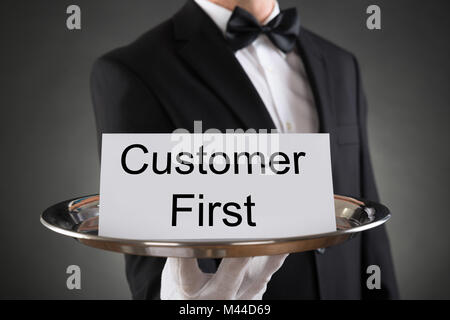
x=217, y=242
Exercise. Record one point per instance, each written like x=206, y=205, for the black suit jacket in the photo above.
x=182, y=71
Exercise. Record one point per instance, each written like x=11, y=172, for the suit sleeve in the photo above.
x=123, y=104
x=375, y=243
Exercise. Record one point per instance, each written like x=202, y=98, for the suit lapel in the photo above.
x=316, y=68
x=204, y=48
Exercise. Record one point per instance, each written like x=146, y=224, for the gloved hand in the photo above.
x=235, y=279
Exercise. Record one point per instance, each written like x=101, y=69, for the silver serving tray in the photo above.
x=78, y=218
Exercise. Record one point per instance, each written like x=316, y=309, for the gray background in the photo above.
x=49, y=151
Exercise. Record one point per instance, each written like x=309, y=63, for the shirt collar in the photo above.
x=221, y=15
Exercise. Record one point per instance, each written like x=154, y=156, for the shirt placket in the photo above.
x=269, y=76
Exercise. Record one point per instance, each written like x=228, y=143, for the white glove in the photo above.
x=235, y=279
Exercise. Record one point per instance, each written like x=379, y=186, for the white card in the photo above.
x=214, y=189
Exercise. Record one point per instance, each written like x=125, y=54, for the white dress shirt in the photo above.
x=280, y=79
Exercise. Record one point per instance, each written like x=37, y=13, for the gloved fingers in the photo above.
x=267, y=266
x=254, y=292
x=258, y=275
x=229, y=275
x=187, y=274
x=236, y=278
x=169, y=280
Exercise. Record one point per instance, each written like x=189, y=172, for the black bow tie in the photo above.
x=243, y=29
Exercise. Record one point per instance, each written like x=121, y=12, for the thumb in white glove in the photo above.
x=236, y=278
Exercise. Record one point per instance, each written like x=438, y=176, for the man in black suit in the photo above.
x=197, y=66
